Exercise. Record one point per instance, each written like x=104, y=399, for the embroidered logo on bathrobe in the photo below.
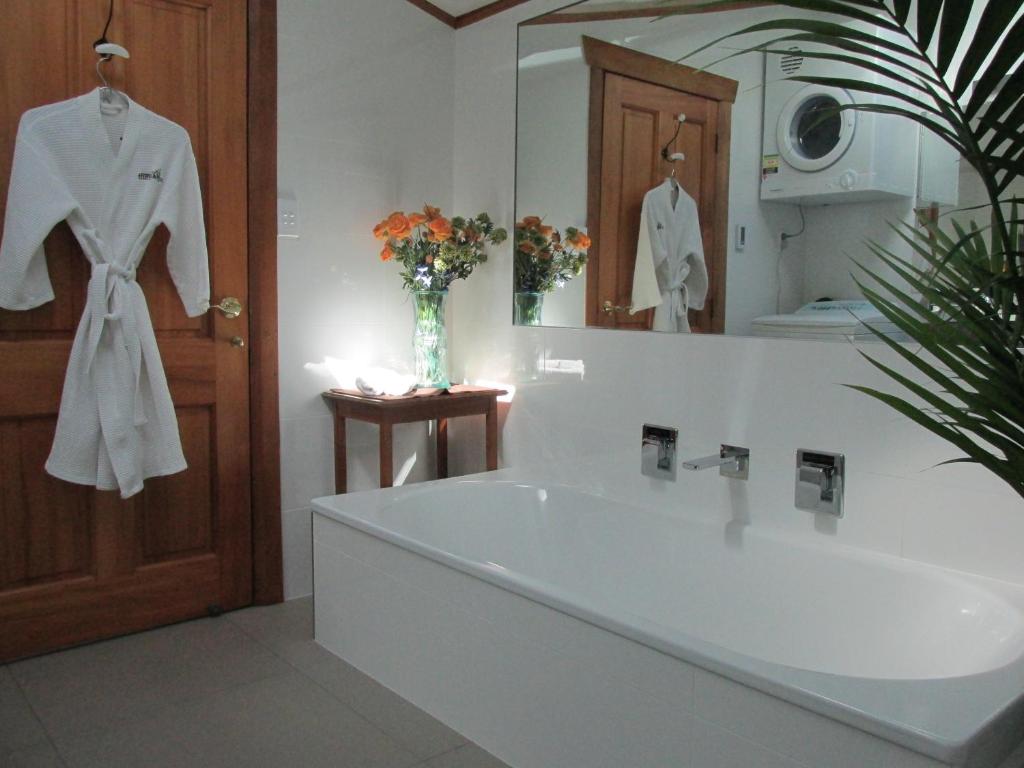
x=156, y=175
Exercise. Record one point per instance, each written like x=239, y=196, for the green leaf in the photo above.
x=866, y=51
x=955, y=15
x=869, y=65
x=823, y=28
x=884, y=109
x=927, y=20
x=1005, y=59
x=902, y=8
x=1006, y=95
x=914, y=413
x=845, y=9
x=866, y=86
x=996, y=16
x=935, y=339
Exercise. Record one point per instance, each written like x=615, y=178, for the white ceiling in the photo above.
x=459, y=7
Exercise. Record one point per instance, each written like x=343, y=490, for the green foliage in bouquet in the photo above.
x=435, y=251
x=544, y=260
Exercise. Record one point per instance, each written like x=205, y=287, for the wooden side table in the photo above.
x=422, y=405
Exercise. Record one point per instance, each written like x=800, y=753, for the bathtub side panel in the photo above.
x=527, y=704
x=538, y=688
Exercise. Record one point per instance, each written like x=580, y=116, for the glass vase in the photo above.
x=528, y=307
x=430, y=339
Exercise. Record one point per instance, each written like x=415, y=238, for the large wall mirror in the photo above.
x=703, y=194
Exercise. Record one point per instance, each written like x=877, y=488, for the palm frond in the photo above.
x=985, y=127
x=960, y=292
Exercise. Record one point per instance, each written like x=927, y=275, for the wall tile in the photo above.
x=771, y=395
x=297, y=541
x=365, y=126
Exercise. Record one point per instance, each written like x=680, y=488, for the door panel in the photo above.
x=639, y=118
x=78, y=564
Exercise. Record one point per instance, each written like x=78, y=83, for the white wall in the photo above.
x=365, y=127
x=773, y=396
x=367, y=119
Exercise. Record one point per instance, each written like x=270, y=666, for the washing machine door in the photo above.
x=811, y=135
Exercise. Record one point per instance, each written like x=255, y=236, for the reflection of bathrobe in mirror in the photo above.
x=670, y=273
x=115, y=175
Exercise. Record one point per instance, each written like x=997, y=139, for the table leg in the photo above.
x=492, y=435
x=340, y=455
x=387, y=469
x=442, y=448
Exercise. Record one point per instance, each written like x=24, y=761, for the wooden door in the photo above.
x=78, y=564
x=632, y=119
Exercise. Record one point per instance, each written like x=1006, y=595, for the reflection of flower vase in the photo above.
x=528, y=308
x=529, y=356
x=430, y=339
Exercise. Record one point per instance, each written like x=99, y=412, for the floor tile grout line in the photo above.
x=343, y=703
x=465, y=741
x=161, y=709
x=439, y=755
x=156, y=709
x=35, y=714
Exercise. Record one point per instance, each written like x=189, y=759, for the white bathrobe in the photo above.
x=670, y=273
x=115, y=175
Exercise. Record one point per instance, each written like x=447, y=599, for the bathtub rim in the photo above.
x=877, y=706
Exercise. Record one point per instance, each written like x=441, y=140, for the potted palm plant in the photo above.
x=962, y=299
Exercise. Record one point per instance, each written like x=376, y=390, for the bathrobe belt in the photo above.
x=679, y=296
x=110, y=304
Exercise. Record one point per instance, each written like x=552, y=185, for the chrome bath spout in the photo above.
x=732, y=461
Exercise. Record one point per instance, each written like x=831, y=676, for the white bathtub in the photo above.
x=677, y=633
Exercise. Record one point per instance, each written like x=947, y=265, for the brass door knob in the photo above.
x=237, y=341
x=611, y=309
x=229, y=306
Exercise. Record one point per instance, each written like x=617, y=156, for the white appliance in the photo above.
x=828, y=321
x=815, y=158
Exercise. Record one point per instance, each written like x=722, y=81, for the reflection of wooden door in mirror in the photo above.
x=77, y=564
x=632, y=119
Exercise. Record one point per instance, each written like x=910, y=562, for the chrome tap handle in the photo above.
x=820, y=480
x=658, y=452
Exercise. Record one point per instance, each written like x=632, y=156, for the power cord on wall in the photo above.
x=786, y=237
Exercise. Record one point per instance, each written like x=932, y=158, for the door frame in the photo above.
x=604, y=58
x=265, y=428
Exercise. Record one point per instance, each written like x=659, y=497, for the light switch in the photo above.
x=287, y=214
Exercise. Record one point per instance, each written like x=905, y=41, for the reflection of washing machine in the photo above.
x=814, y=154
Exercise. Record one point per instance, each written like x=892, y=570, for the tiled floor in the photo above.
x=248, y=689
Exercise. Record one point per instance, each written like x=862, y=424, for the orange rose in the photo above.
x=431, y=212
x=531, y=221
x=528, y=248
x=415, y=219
x=545, y=230
x=581, y=241
x=381, y=230
x=440, y=229
x=398, y=225
x=387, y=254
